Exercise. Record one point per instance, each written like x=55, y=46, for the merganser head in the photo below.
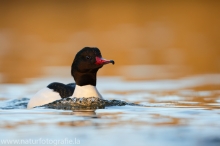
x=86, y=64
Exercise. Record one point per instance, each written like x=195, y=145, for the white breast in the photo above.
x=42, y=97
x=86, y=91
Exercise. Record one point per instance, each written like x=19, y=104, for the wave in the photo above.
x=14, y=103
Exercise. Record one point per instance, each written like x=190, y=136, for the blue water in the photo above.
x=176, y=112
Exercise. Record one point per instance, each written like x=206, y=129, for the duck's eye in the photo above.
x=88, y=57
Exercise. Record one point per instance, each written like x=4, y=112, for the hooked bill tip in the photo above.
x=112, y=61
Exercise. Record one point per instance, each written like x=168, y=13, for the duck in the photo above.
x=84, y=70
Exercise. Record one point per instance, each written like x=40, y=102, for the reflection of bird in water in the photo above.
x=85, y=66
x=84, y=113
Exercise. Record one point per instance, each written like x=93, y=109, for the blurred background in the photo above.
x=147, y=39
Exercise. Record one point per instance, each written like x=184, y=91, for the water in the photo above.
x=183, y=111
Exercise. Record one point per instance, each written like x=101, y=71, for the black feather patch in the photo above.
x=64, y=90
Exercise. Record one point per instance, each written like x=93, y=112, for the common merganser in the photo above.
x=84, y=68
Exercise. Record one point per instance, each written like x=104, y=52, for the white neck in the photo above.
x=86, y=91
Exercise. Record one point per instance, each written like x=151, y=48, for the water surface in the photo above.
x=183, y=111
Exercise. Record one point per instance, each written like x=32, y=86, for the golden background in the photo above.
x=147, y=39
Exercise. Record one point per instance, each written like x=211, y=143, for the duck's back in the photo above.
x=64, y=90
x=54, y=91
